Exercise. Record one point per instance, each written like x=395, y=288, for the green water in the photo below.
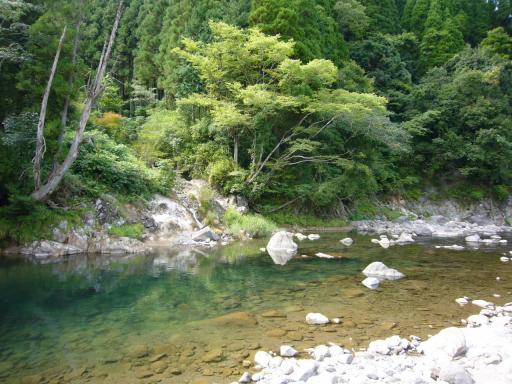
x=80, y=320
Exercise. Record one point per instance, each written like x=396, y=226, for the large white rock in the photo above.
x=450, y=342
x=320, y=352
x=287, y=351
x=483, y=304
x=371, y=282
x=313, y=236
x=473, y=238
x=316, y=319
x=262, y=359
x=453, y=373
x=304, y=370
x=347, y=241
x=379, y=269
x=405, y=238
x=378, y=346
x=281, y=247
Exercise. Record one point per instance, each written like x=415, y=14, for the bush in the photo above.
x=134, y=231
x=254, y=225
x=305, y=220
x=25, y=219
x=105, y=166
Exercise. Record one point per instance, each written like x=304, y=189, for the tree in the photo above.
x=308, y=23
x=15, y=19
x=461, y=119
x=94, y=91
x=383, y=14
x=146, y=67
x=351, y=18
x=499, y=43
x=381, y=59
x=279, y=106
x=186, y=18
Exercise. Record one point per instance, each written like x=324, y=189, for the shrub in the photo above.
x=255, y=225
x=134, y=231
x=25, y=219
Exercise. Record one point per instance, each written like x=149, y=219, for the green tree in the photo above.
x=351, y=18
x=307, y=22
x=381, y=59
x=383, y=14
x=499, y=43
x=276, y=111
x=461, y=119
x=146, y=67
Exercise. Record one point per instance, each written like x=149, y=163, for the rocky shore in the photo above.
x=165, y=221
x=480, y=353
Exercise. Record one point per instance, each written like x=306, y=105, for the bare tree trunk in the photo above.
x=71, y=79
x=40, y=143
x=94, y=91
x=236, y=142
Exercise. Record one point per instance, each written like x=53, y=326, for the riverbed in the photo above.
x=187, y=315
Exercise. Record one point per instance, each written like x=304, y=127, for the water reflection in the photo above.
x=281, y=256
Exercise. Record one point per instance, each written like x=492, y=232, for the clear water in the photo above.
x=87, y=319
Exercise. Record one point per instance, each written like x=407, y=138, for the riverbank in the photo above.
x=480, y=353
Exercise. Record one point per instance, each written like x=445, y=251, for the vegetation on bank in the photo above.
x=310, y=109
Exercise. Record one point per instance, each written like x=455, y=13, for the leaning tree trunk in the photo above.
x=40, y=143
x=93, y=93
x=71, y=79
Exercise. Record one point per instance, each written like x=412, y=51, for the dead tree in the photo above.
x=40, y=143
x=94, y=91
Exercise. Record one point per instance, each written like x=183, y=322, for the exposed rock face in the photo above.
x=49, y=249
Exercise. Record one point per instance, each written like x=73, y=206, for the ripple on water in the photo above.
x=182, y=316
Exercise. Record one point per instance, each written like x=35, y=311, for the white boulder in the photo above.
x=347, y=241
x=316, y=319
x=262, y=359
x=287, y=351
x=483, y=304
x=313, y=236
x=473, y=238
x=450, y=342
x=378, y=269
x=371, y=282
x=281, y=247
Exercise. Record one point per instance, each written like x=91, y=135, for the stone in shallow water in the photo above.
x=379, y=269
x=215, y=355
x=235, y=319
x=137, y=351
x=273, y=313
x=316, y=319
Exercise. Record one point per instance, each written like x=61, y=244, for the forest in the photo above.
x=317, y=107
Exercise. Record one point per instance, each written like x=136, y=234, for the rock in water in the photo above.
x=347, y=241
x=371, y=282
x=205, y=234
x=281, y=247
x=473, y=238
x=316, y=318
x=378, y=269
x=313, y=236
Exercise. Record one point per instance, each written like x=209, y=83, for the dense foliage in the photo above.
x=307, y=105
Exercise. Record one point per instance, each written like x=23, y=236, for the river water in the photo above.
x=189, y=315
